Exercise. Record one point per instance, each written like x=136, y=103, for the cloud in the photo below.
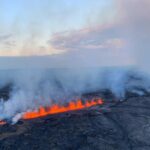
x=93, y=46
x=88, y=38
x=126, y=39
x=5, y=37
x=7, y=41
x=94, y=37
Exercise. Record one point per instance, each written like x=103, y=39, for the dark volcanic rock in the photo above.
x=121, y=126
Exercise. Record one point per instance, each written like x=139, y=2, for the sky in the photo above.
x=26, y=26
x=74, y=32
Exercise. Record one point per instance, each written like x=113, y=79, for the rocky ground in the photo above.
x=113, y=126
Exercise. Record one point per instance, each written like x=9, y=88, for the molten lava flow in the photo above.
x=54, y=109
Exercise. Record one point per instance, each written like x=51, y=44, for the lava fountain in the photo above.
x=56, y=108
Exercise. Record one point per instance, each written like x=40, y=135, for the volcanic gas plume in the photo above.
x=37, y=93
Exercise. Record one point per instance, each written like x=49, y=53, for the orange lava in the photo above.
x=54, y=109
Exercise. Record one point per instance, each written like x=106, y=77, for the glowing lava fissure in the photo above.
x=55, y=109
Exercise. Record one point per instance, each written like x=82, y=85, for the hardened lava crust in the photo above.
x=123, y=125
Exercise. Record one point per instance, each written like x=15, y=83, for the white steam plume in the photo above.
x=34, y=88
